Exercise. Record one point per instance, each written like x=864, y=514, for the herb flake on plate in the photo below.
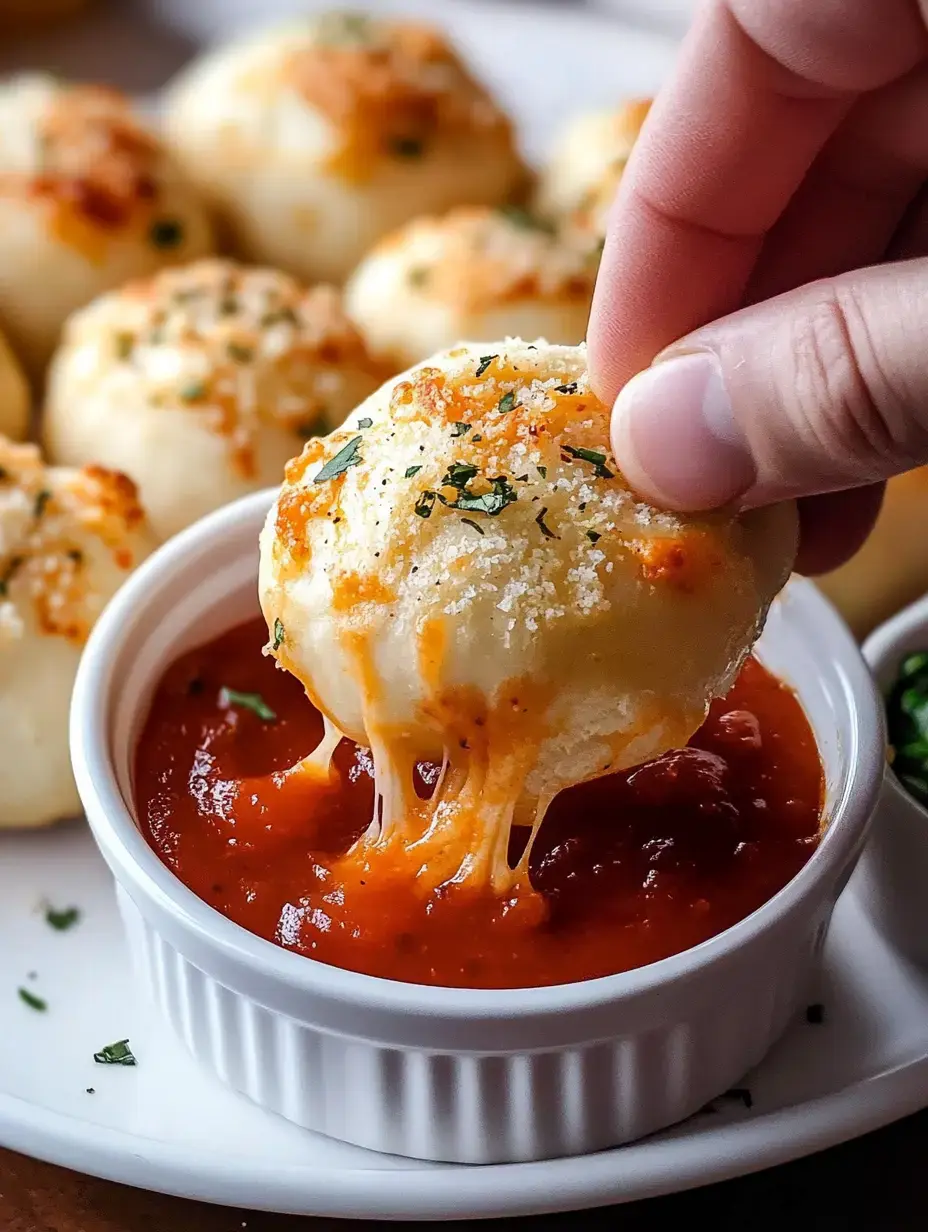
x=348, y=456
x=62, y=920
x=115, y=1054
x=30, y=999
x=907, y=722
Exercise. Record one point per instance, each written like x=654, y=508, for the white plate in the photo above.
x=165, y=1125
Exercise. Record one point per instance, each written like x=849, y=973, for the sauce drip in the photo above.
x=629, y=868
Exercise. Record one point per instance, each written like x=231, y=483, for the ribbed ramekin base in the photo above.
x=468, y=1107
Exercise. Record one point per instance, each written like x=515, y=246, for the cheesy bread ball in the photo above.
x=476, y=272
x=14, y=395
x=461, y=574
x=202, y=382
x=891, y=569
x=88, y=198
x=68, y=538
x=582, y=177
x=314, y=140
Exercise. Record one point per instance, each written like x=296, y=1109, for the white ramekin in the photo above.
x=440, y=1073
x=894, y=875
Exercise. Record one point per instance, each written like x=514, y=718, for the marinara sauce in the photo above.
x=630, y=868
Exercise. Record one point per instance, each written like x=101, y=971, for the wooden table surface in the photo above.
x=878, y=1183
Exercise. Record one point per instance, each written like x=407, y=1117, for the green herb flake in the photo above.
x=15, y=564
x=543, y=471
x=507, y=403
x=41, y=503
x=30, y=999
x=491, y=503
x=524, y=220
x=166, y=233
x=545, y=530
x=425, y=504
x=459, y=475
x=418, y=276
x=279, y=635
x=460, y=428
x=410, y=471
x=61, y=921
x=569, y=388
x=407, y=147
x=478, y=437
x=366, y=422
x=593, y=536
x=241, y=354
x=277, y=316
x=115, y=1054
x=477, y=527
x=590, y=455
x=485, y=361
x=124, y=344
x=247, y=701
x=193, y=391
x=346, y=457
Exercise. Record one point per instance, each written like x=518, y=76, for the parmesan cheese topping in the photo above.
x=461, y=574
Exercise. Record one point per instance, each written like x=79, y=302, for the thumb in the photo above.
x=822, y=389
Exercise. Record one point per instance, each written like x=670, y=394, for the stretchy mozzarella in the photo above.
x=314, y=140
x=461, y=574
x=68, y=538
x=202, y=382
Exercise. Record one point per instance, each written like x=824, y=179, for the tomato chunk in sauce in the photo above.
x=629, y=869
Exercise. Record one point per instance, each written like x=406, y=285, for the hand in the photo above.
x=788, y=153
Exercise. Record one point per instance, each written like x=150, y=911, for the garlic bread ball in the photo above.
x=68, y=539
x=461, y=574
x=88, y=198
x=315, y=139
x=579, y=183
x=476, y=272
x=15, y=400
x=202, y=382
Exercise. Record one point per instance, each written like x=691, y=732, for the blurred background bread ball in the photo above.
x=202, y=382
x=314, y=140
x=68, y=538
x=15, y=398
x=476, y=272
x=88, y=198
x=579, y=182
x=891, y=569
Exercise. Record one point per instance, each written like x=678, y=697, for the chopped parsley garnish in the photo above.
x=459, y=475
x=477, y=527
x=279, y=634
x=569, y=388
x=543, y=471
x=347, y=456
x=61, y=921
x=407, y=147
x=491, y=503
x=166, y=233
x=525, y=220
x=366, y=422
x=115, y=1054
x=815, y=1014
x=247, y=701
x=485, y=361
x=459, y=428
x=193, y=391
x=241, y=354
x=411, y=470
x=593, y=535
x=30, y=999
x=9, y=573
x=41, y=503
x=124, y=345
x=418, y=276
x=276, y=315
x=228, y=306
x=425, y=504
x=590, y=455
x=478, y=437
x=507, y=402
x=907, y=716
x=545, y=530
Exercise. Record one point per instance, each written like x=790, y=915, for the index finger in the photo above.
x=759, y=89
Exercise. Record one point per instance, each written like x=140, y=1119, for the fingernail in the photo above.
x=675, y=437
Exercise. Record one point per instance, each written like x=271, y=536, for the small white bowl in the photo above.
x=894, y=875
x=454, y=1073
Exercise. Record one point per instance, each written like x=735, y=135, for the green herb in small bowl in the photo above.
x=907, y=720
